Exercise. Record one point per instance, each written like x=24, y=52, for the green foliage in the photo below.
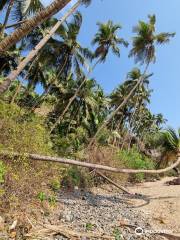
x=22, y=131
x=117, y=234
x=52, y=200
x=75, y=176
x=55, y=185
x=41, y=196
x=134, y=159
x=171, y=140
x=89, y=226
x=2, y=172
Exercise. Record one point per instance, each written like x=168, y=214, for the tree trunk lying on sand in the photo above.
x=89, y=165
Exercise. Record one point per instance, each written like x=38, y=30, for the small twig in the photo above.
x=32, y=225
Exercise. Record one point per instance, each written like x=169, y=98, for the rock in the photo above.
x=68, y=216
x=175, y=181
x=104, y=212
x=13, y=226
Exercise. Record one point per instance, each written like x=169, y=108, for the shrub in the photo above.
x=134, y=159
x=55, y=184
x=75, y=176
x=41, y=196
x=25, y=133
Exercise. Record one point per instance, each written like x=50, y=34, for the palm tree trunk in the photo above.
x=139, y=81
x=37, y=157
x=58, y=121
x=33, y=22
x=130, y=125
x=7, y=16
x=12, y=76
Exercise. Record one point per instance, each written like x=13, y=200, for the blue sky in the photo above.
x=166, y=79
x=165, y=82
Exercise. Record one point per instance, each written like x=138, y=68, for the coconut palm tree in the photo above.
x=69, y=56
x=10, y=5
x=132, y=108
x=144, y=52
x=4, y=86
x=170, y=141
x=19, y=10
x=34, y=21
x=144, y=42
x=106, y=39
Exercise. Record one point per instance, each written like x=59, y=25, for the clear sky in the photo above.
x=166, y=79
x=165, y=82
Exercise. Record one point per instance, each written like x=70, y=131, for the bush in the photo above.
x=23, y=132
x=75, y=176
x=135, y=160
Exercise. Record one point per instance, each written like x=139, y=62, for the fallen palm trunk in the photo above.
x=89, y=165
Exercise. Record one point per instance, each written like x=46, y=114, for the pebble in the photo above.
x=105, y=213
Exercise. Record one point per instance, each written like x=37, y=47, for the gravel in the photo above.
x=104, y=213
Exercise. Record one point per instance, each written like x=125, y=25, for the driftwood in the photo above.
x=51, y=230
x=67, y=161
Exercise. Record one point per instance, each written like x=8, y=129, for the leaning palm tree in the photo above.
x=12, y=76
x=33, y=22
x=170, y=141
x=106, y=39
x=144, y=52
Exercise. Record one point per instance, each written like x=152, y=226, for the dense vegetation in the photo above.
x=54, y=106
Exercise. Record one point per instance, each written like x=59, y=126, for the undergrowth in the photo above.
x=134, y=159
x=21, y=179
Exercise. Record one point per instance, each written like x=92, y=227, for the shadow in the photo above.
x=98, y=200
x=148, y=199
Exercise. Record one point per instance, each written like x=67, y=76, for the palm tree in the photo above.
x=12, y=76
x=144, y=52
x=34, y=21
x=70, y=56
x=29, y=25
x=141, y=96
x=146, y=39
x=106, y=39
x=21, y=10
x=10, y=5
x=170, y=141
